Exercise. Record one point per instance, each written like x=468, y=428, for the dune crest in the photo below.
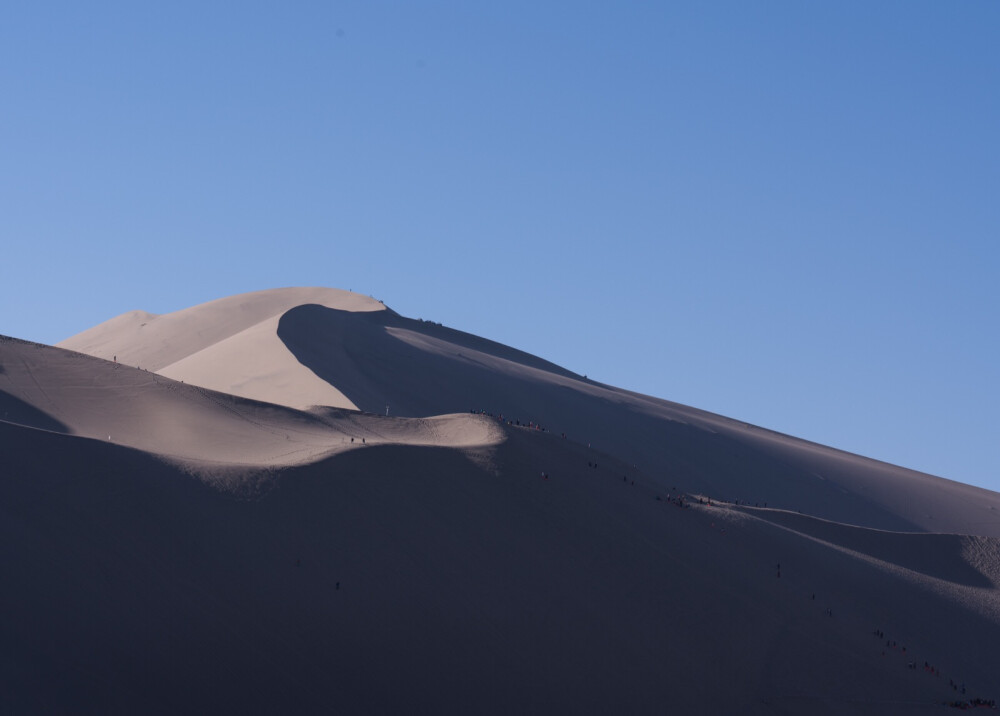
x=452, y=526
x=62, y=391
x=227, y=344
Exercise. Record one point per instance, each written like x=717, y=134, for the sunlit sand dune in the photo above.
x=510, y=538
x=304, y=347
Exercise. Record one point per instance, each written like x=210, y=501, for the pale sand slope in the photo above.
x=63, y=391
x=402, y=579
x=227, y=345
x=375, y=357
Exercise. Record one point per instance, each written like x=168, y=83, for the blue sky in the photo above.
x=784, y=212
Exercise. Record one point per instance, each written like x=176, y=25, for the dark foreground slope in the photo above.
x=419, y=580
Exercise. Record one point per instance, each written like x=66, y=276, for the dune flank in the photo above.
x=212, y=511
x=304, y=347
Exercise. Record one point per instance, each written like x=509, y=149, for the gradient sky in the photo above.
x=784, y=212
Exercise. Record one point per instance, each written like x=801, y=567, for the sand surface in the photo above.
x=228, y=344
x=302, y=347
x=177, y=547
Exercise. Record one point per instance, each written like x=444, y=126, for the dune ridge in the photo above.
x=304, y=347
x=89, y=397
x=226, y=344
x=453, y=526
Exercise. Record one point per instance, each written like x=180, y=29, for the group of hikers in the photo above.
x=977, y=703
x=929, y=668
x=532, y=425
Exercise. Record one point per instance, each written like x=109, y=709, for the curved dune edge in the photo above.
x=229, y=345
x=955, y=558
x=254, y=364
x=960, y=569
x=45, y=387
x=471, y=435
x=152, y=341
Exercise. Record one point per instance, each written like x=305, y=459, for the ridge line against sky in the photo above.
x=784, y=214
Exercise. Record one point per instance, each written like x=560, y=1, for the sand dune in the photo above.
x=227, y=345
x=68, y=392
x=301, y=347
x=170, y=547
x=413, y=579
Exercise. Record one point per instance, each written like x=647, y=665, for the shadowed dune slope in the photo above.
x=170, y=548
x=946, y=557
x=419, y=368
x=414, y=579
x=304, y=347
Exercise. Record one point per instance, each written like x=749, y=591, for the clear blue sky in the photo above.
x=784, y=212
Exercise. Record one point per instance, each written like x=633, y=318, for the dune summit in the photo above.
x=227, y=345
x=299, y=500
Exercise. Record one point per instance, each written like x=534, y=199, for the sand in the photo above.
x=369, y=357
x=172, y=546
x=227, y=345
